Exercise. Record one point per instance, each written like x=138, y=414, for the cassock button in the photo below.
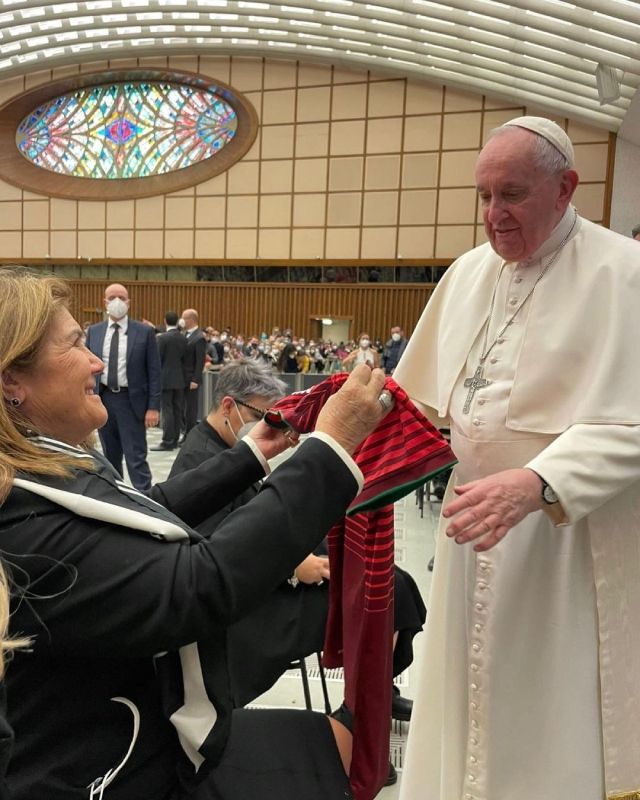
x=517, y=279
x=481, y=401
x=513, y=301
x=477, y=422
x=476, y=648
x=500, y=341
x=477, y=627
x=479, y=606
x=474, y=686
x=473, y=759
x=474, y=668
x=472, y=778
x=474, y=706
x=493, y=360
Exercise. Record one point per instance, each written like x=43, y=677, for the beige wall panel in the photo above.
x=242, y=212
x=91, y=244
x=308, y=210
x=120, y=214
x=33, y=196
x=253, y=153
x=241, y=244
x=345, y=173
x=10, y=243
x=578, y=132
x=380, y=208
x=314, y=74
x=493, y=119
x=344, y=209
x=378, y=243
x=277, y=141
x=155, y=62
x=348, y=75
x=423, y=98
x=210, y=212
x=386, y=99
x=382, y=172
x=179, y=212
x=279, y=74
x=312, y=139
x=246, y=74
x=418, y=207
x=419, y=170
x=349, y=101
x=274, y=243
x=384, y=135
x=591, y=162
x=307, y=243
x=311, y=175
x=11, y=87
x=184, y=63
x=35, y=244
x=275, y=211
x=178, y=244
x=243, y=178
x=91, y=215
x=456, y=205
x=342, y=243
x=416, y=242
x=36, y=215
x=62, y=244
x=216, y=67
x=123, y=63
x=481, y=235
x=458, y=168
x=11, y=216
x=276, y=176
x=150, y=212
x=313, y=104
x=452, y=241
x=278, y=106
x=589, y=200
x=189, y=191
x=209, y=244
x=63, y=213
x=461, y=131
x=9, y=192
x=422, y=133
x=214, y=186
x=347, y=138
x=119, y=244
x=457, y=100
x=149, y=244
x=34, y=79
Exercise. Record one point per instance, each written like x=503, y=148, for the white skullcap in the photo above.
x=550, y=131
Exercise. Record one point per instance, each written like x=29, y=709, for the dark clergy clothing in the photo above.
x=403, y=452
x=193, y=365
x=172, y=347
x=126, y=687
x=124, y=433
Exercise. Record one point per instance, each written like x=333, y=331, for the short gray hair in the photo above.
x=247, y=378
x=546, y=157
x=635, y=230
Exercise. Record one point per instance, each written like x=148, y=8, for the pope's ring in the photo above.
x=385, y=400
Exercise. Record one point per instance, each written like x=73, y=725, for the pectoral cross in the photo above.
x=475, y=383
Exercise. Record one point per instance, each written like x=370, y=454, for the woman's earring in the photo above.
x=15, y=401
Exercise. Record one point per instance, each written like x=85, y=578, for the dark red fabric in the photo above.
x=405, y=447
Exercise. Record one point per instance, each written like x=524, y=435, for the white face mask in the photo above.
x=396, y=337
x=364, y=343
x=117, y=308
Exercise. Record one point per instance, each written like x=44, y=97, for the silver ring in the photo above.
x=385, y=400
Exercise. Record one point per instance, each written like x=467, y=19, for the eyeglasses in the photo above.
x=260, y=412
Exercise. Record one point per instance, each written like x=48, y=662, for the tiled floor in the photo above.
x=414, y=548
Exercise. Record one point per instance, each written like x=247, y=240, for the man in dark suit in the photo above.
x=172, y=346
x=129, y=385
x=194, y=364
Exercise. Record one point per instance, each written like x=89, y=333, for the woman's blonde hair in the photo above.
x=6, y=644
x=30, y=301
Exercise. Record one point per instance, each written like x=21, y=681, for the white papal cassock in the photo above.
x=529, y=685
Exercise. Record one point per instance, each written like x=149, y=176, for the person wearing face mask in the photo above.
x=363, y=354
x=393, y=349
x=129, y=385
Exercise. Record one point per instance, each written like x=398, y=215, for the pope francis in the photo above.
x=530, y=687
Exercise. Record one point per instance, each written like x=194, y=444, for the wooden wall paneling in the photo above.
x=252, y=308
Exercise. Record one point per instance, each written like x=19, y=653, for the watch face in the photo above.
x=548, y=495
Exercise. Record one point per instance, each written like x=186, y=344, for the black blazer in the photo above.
x=172, y=346
x=194, y=358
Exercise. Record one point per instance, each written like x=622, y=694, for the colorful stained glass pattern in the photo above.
x=127, y=130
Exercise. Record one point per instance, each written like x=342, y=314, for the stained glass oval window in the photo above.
x=123, y=134
x=126, y=130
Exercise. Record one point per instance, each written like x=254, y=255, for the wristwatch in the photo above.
x=293, y=581
x=548, y=495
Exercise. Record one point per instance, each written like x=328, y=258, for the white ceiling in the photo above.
x=540, y=53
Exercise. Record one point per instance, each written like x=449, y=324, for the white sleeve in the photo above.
x=588, y=465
